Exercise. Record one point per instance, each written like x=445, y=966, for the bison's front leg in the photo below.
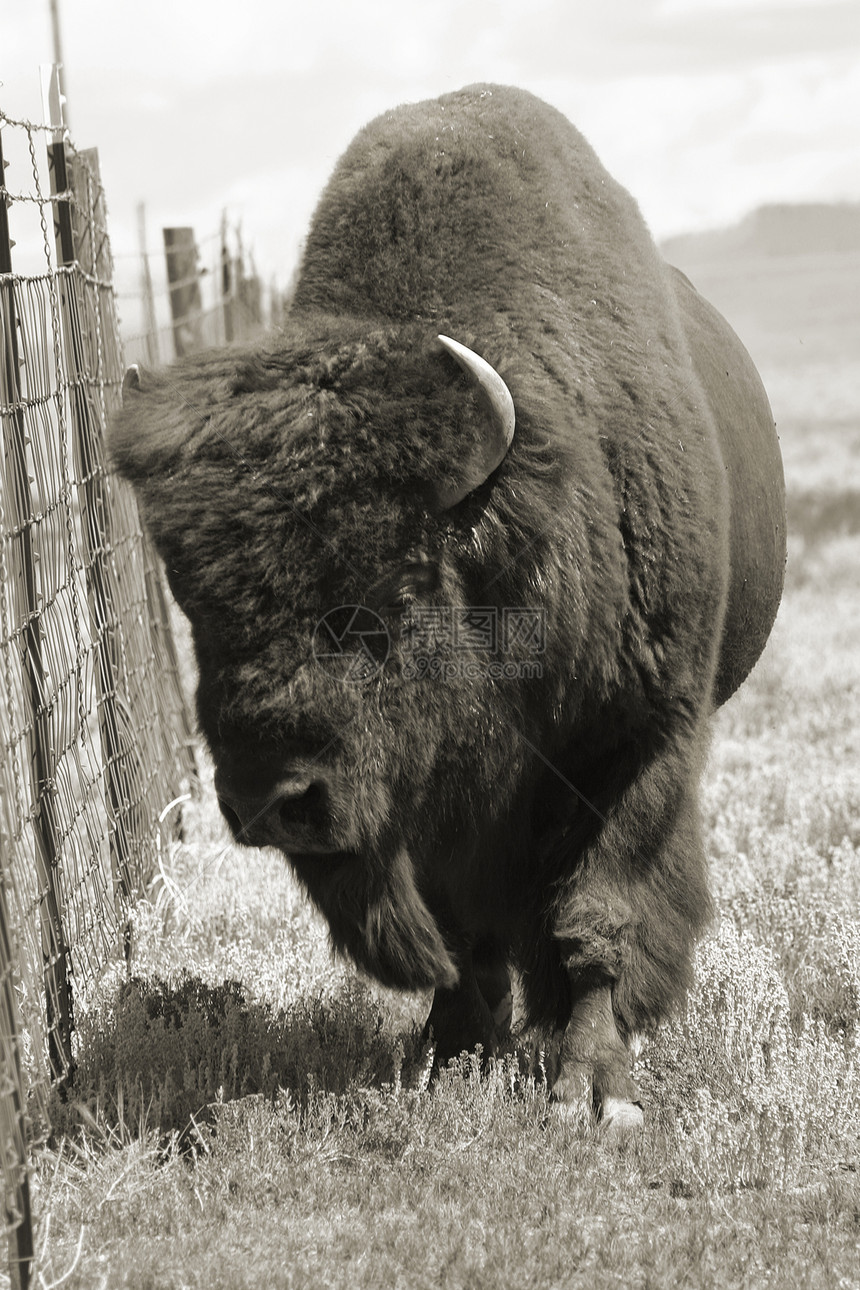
x=475, y=1011
x=629, y=901
x=594, y=1065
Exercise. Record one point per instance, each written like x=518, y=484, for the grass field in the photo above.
x=255, y=1116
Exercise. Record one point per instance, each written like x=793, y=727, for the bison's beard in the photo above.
x=376, y=916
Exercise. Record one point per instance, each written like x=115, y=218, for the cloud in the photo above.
x=702, y=108
x=676, y=8
x=699, y=151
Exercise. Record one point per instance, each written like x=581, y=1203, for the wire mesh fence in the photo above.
x=94, y=734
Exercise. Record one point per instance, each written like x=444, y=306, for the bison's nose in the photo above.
x=294, y=815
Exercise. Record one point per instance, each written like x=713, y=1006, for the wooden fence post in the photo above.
x=78, y=242
x=228, y=282
x=186, y=303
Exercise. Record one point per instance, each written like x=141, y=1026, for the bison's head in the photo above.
x=329, y=511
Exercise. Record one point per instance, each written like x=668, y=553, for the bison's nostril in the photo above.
x=294, y=810
x=300, y=806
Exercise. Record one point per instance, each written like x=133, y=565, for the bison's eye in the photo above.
x=404, y=587
x=402, y=599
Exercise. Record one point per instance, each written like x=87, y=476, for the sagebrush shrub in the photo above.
x=751, y=1093
x=167, y=1051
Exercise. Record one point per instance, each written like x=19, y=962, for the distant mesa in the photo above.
x=774, y=230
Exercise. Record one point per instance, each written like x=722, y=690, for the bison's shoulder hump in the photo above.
x=455, y=207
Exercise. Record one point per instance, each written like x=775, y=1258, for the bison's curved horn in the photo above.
x=497, y=441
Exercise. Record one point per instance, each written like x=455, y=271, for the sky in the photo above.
x=703, y=109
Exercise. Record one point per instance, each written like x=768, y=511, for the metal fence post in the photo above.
x=24, y=595
x=17, y=1212
x=150, y=320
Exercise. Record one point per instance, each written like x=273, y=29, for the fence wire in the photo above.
x=94, y=734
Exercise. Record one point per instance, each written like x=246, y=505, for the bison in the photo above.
x=471, y=550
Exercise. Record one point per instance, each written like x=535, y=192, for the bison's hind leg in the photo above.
x=494, y=982
x=475, y=1011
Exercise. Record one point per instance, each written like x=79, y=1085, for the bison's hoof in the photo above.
x=619, y=1117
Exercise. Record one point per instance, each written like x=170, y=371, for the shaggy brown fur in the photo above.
x=552, y=821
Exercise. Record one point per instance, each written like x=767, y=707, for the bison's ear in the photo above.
x=491, y=447
x=130, y=382
x=146, y=436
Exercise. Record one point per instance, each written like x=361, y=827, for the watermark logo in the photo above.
x=452, y=630
x=524, y=631
x=436, y=642
x=354, y=640
x=469, y=643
